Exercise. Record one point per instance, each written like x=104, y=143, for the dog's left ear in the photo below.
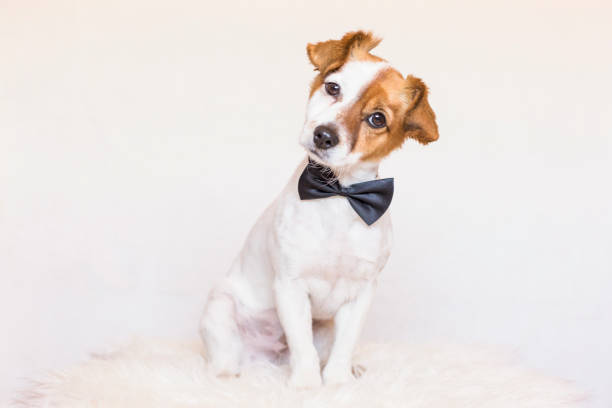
x=330, y=55
x=420, y=120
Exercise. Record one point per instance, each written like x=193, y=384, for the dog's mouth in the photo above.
x=314, y=154
x=317, y=156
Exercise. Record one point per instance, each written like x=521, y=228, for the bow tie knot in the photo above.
x=369, y=199
x=342, y=193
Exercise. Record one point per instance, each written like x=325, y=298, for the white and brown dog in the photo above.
x=305, y=277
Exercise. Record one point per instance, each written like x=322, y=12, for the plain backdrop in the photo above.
x=139, y=141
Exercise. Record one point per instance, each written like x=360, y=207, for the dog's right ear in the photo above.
x=330, y=55
x=420, y=120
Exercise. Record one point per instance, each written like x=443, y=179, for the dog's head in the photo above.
x=360, y=109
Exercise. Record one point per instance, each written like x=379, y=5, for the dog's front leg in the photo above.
x=348, y=322
x=293, y=307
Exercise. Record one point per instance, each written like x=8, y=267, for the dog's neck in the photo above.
x=357, y=174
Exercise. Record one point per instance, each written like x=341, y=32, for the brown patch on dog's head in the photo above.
x=329, y=56
x=406, y=108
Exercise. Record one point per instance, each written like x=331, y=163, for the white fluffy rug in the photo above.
x=171, y=375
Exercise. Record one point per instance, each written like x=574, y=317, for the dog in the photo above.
x=302, y=284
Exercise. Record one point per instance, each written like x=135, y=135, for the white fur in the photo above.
x=173, y=375
x=304, y=262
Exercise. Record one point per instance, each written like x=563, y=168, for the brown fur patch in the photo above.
x=420, y=121
x=406, y=108
x=329, y=56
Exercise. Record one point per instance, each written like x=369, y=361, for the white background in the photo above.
x=139, y=141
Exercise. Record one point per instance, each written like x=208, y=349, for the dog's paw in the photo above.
x=225, y=367
x=305, y=377
x=225, y=371
x=336, y=374
x=358, y=370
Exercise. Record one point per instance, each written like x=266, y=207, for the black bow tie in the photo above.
x=369, y=199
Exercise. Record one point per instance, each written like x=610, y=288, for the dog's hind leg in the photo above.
x=220, y=333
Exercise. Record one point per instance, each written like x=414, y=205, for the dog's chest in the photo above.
x=331, y=249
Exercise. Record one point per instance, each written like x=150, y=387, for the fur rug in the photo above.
x=172, y=375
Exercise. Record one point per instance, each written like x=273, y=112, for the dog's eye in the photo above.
x=377, y=120
x=332, y=88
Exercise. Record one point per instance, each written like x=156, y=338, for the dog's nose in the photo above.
x=325, y=137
